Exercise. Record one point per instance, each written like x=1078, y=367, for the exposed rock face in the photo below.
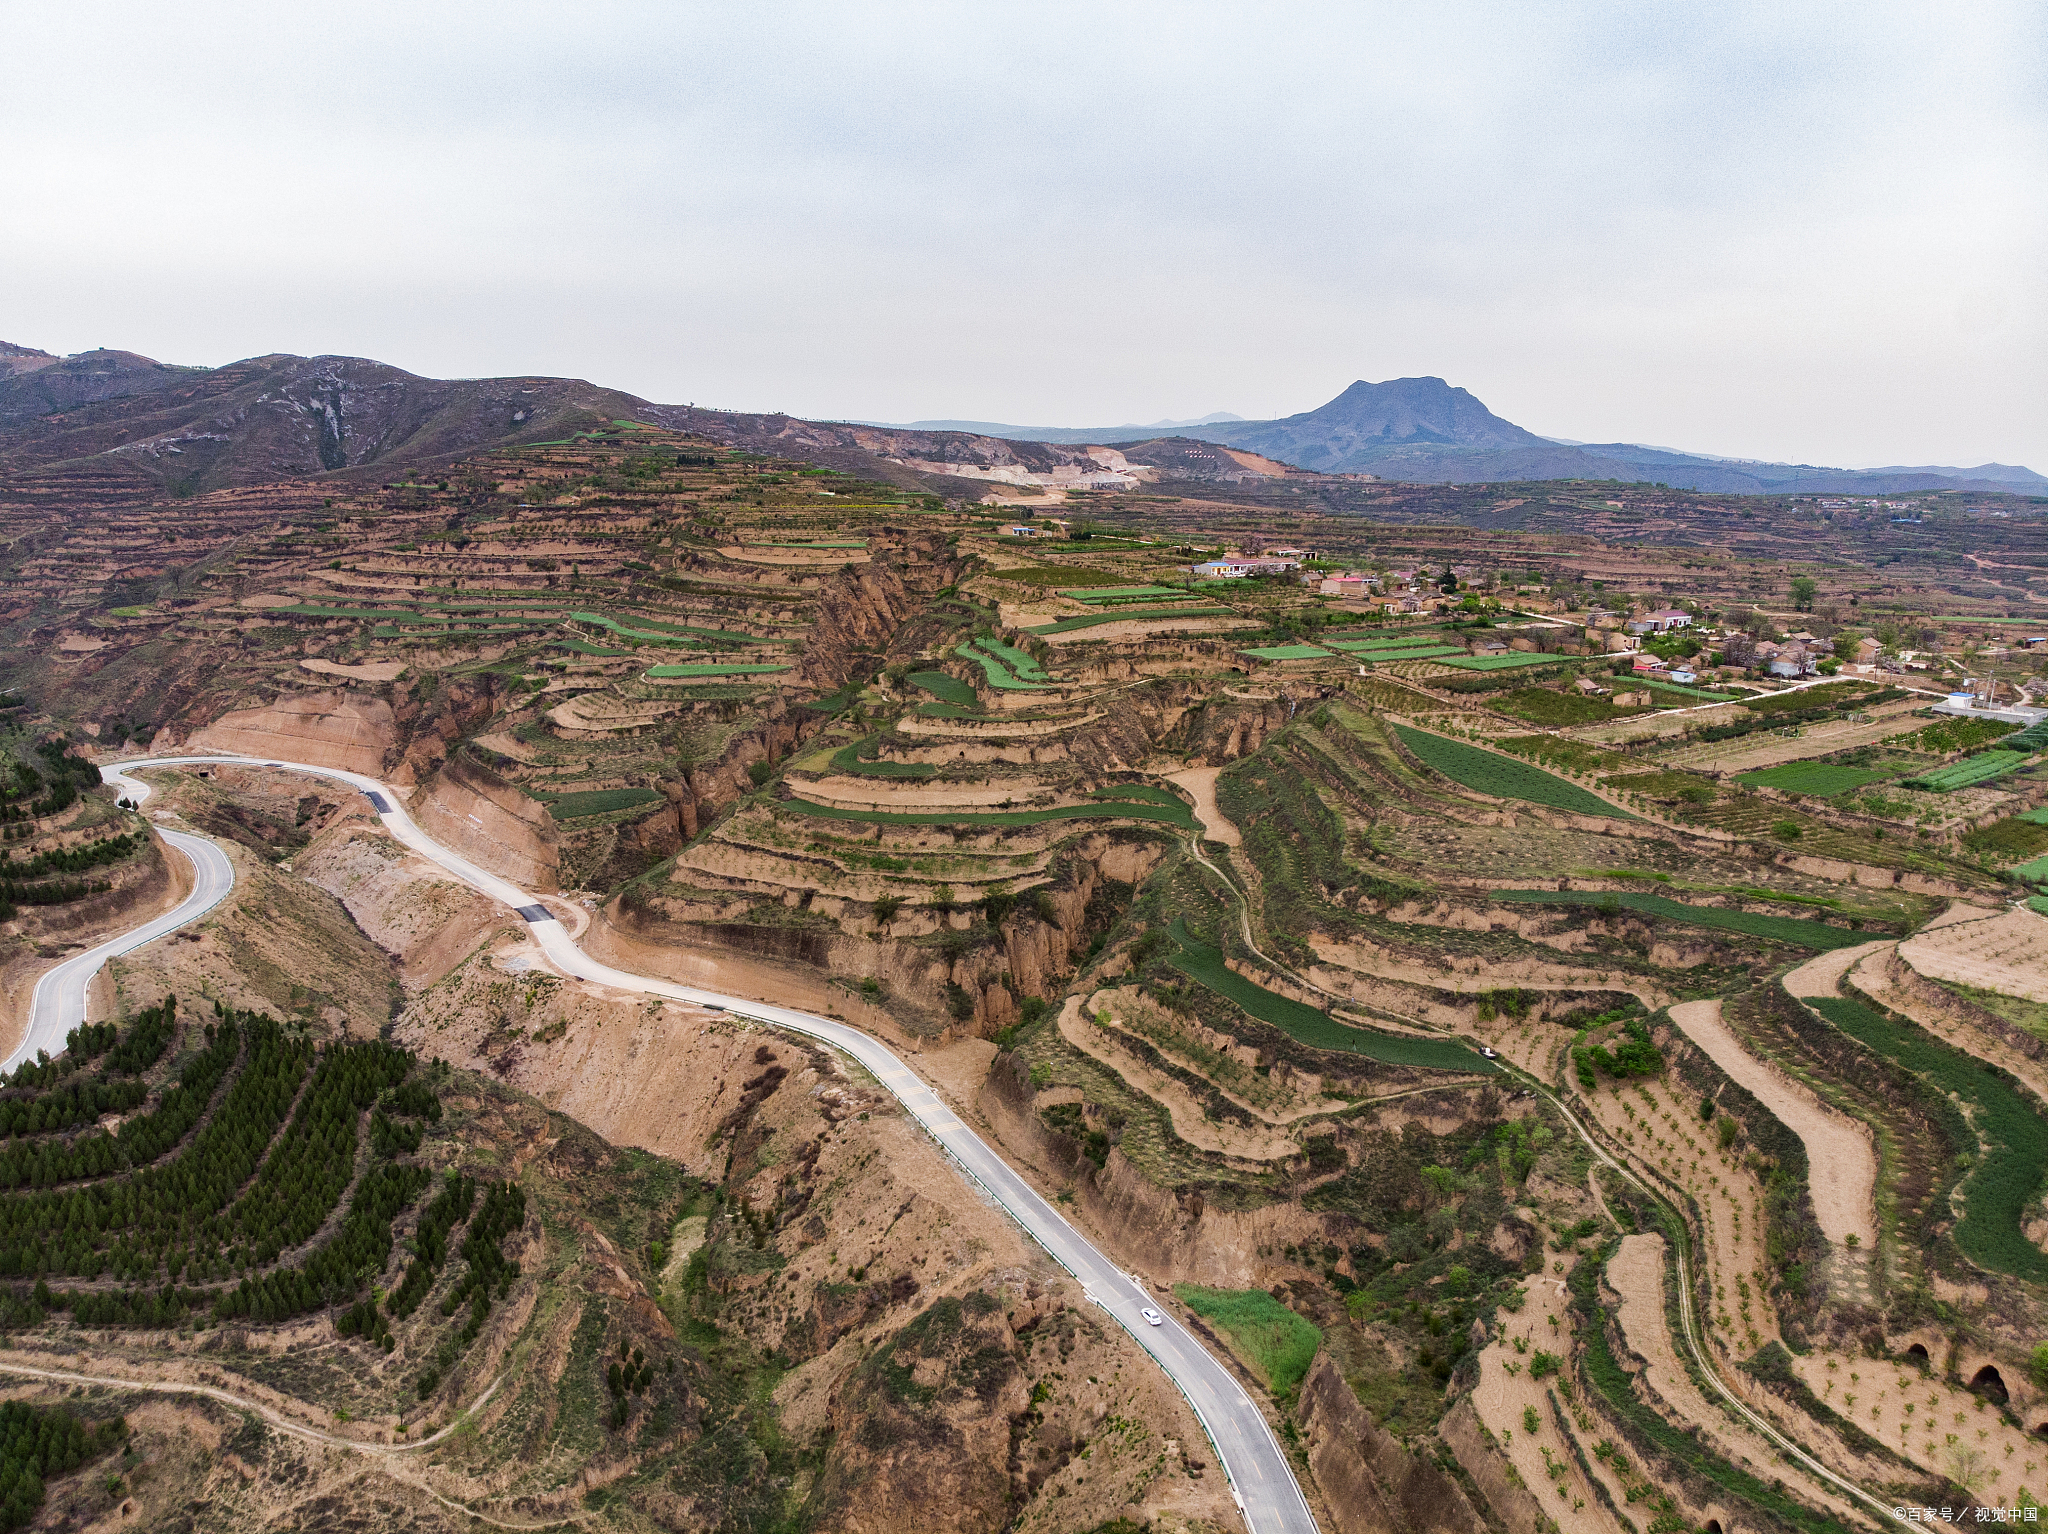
x=923, y=1424
x=404, y=904
x=1516, y=1505
x=1227, y=728
x=1183, y=1239
x=1034, y=947
x=326, y=729
x=1372, y=1484
x=468, y=807
x=864, y=605
x=432, y=726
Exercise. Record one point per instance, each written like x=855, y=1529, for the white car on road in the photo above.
x=1152, y=1317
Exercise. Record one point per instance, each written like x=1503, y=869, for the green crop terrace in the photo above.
x=712, y=668
x=1503, y=777
x=1821, y=780
x=1176, y=814
x=1780, y=929
x=1204, y=965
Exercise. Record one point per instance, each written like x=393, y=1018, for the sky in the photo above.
x=1813, y=232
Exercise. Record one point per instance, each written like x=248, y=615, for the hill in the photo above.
x=1426, y=431
x=121, y=425
x=114, y=427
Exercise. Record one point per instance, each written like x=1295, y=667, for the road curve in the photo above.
x=1261, y=1479
x=58, y=1004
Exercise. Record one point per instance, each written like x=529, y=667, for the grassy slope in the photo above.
x=1280, y=1344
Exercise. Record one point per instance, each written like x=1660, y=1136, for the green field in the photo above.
x=998, y=674
x=1504, y=777
x=1177, y=815
x=1290, y=652
x=948, y=689
x=1143, y=793
x=1698, y=694
x=1542, y=705
x=364, y=614
x=1359, y=643
x=1822, y=780
x=1779, y=929
x=1027, y=669
x=1070, y=575
x=1277, y=1342
x=712, y=668
x=1090, y=620
x=1510, y=661
x=1095, y=591
x=1985, y=767
x=1425, y=652
x=644, y=636
x=1953, y=734
x=1826, y=695
x=596, y=801
x=652, y=629
x=585, y=647
x=848, y=759
x=1203, y=964
x=2014, y=1137
x=1096, y=596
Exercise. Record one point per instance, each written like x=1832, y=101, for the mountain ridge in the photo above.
x=121, y=425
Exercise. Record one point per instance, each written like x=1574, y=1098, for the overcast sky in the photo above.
x=1807, y=231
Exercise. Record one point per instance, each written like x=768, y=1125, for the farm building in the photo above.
x=1795, y=660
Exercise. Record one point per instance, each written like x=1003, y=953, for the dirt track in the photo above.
x=1200, y=782
x=1843, y=1166
x=1822, y=976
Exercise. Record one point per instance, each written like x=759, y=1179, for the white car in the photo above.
x=1152, y=1317
x=1487, y=1050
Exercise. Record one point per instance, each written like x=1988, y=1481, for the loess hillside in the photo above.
x=1576, y=1080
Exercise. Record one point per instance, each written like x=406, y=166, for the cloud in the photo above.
x=1812, y=232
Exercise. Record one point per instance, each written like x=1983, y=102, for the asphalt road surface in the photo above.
x=1251, y=1457
x=58, y=1005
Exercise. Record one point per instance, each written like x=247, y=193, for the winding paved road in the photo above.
x=58, y=1005
x=1260, y=1476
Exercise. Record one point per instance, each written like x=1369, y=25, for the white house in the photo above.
x=1238, y=569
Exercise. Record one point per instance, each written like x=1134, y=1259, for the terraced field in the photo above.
x=1820, y=780
x=1318, y=1029
x=1503, y=777
x=1779, y=929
